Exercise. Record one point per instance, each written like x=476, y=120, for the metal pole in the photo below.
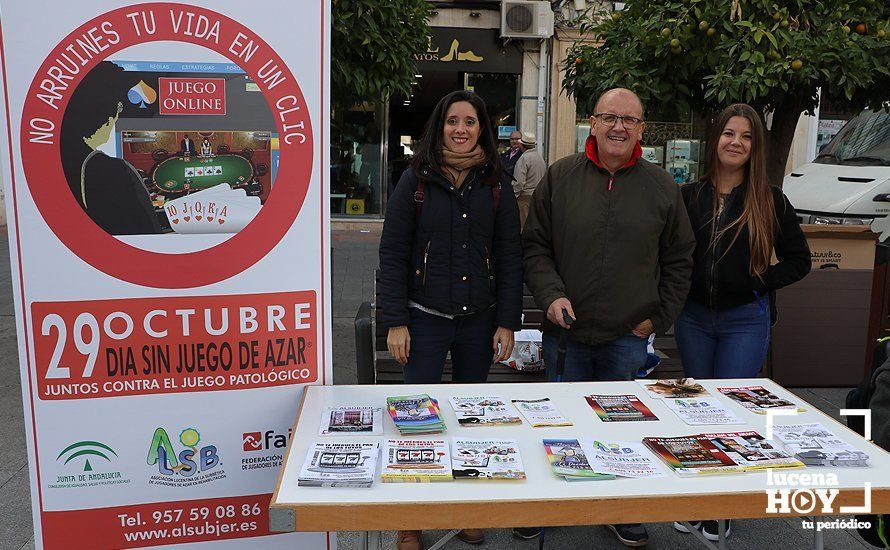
x=543, y=62
x=818, y=537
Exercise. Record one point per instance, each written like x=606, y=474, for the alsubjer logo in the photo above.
x=803, y=493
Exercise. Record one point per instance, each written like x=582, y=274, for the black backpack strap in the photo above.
x=418, y=198
x=496, y=196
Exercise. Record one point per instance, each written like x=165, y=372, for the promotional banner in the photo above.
x=164, y=169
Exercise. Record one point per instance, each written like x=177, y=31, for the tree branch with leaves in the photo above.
x=708, y=54
x=372, y=48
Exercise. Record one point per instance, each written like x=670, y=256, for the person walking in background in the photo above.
x=529, y=170
x=739, y=221
x=607, y=242
x=509, y=159
x=451, y=258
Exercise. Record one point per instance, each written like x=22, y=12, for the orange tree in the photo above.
x=707, y=54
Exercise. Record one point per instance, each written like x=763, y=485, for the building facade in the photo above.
x=521, y=81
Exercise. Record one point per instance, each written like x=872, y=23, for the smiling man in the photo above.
x=608, y=242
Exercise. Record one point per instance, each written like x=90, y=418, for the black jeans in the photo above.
x=469, y=338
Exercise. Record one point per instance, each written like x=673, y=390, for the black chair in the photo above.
x=159, y=154
x=247, y=153
x=261, y=169
x=222, y=148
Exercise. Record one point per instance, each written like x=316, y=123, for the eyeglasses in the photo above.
x=610, y=119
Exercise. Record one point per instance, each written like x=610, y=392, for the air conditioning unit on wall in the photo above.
x=526, y=19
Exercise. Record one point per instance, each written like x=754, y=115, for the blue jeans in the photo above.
x=468, y=338
x=723, y=343
x=616, y=360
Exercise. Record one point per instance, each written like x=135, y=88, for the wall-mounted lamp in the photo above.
x=475, y=14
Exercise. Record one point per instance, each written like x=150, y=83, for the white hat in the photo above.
x=528, y=139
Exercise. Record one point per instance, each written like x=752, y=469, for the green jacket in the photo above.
x=618, y=247
x=880, y=408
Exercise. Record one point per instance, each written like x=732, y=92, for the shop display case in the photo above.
x=654, y=154
x=682, y=159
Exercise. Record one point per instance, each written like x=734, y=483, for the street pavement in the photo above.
x=353, y=263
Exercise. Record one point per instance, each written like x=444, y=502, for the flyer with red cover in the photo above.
x=620, y=408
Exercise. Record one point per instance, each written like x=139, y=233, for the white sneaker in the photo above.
x=710, y=530
x=683, y=529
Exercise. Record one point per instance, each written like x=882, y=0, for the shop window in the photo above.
x=356, y=155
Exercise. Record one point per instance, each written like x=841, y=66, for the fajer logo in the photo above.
x=264, y=441
x=253, y=441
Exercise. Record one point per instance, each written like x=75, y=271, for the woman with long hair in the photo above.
x=450, y=257
x=741, y=222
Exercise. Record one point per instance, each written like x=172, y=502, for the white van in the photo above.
x=849, y=181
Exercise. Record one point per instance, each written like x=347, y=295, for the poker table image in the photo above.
x=190, y=174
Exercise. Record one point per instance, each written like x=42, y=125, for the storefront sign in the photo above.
x=192, y=96
x=150, y=358
x=469, y=50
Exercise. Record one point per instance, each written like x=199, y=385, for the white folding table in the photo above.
x=543, y=498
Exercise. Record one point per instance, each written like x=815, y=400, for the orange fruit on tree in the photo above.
x=796, y=65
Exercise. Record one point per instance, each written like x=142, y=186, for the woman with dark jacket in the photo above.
x=740, y=221
x=450, y=257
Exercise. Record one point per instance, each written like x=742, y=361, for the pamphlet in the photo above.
x=624, y=459
x=702, y=411
x=541, y=412
x=751, y=451
x=757, y=399
x=482, y=411
x=619, y=408
x=569, y=460
x=351, y=420
x=340, y=465
x=692, y=455
x=415, y=414
x=816, y=445
x=680, y=387
x=410, y=460
x=486, y=459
